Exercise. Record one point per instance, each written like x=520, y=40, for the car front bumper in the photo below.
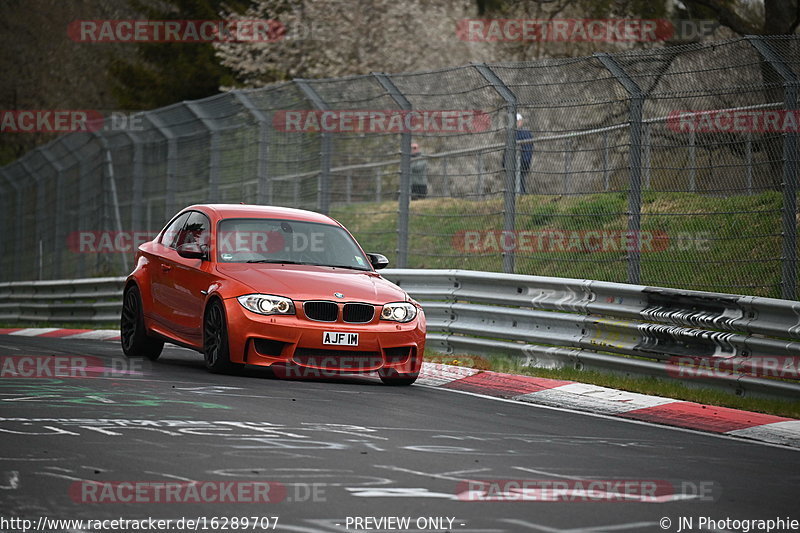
x=298, y=341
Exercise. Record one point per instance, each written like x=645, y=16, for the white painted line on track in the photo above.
x=728, y=436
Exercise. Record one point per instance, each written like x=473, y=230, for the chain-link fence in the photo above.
x=673, y=166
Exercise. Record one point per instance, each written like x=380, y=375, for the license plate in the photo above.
x=338, y=338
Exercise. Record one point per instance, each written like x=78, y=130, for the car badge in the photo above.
x=338, y=294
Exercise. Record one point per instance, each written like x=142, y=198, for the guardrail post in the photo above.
x=509, y=159
x=324, y=183
x=264, y=194
x=172, y=164
x=790, y=158
x=213, y=150
x=635, y=194
x=404, y=198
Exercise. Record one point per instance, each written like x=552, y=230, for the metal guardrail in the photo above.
x=73, y=300
x=550, y=322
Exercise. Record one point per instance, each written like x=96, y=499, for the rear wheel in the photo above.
x=134, y=339
x=215, y=341
x=390, y=376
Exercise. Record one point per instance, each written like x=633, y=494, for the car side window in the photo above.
x=196, y=230
x=173, y=231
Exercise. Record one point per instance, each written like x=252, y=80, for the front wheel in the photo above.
x=133, y=336
x=390, y=376
x=215, y=341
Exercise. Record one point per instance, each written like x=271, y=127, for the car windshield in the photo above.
x=268, y=240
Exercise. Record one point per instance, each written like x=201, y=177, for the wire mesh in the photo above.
x=615, y=175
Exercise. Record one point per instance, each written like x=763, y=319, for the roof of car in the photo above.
x=261, y=211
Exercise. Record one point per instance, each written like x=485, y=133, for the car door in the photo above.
x=190, y=279
x=161, y=273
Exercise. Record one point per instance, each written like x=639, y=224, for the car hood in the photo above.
x=309, y=282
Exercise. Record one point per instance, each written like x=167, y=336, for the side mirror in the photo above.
x=378, y=261
x=192, y=250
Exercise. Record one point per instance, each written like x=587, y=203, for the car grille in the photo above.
x=353, y=313
x=358, y=313
x=338, y=359
x=321, y=311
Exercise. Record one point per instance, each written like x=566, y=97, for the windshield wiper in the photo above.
x=345, y=266
x=277, y=261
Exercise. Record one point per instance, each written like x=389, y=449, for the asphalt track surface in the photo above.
x=347, y=448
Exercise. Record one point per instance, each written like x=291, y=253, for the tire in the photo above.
x=133, y=336
x=390, y=376
x=215, y=341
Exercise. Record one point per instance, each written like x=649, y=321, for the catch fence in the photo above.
x=673, y=166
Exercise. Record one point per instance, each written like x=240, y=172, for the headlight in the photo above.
x=267, y=304
x=399, y=312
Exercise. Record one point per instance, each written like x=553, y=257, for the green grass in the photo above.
x=644, y=385
x=726, y=244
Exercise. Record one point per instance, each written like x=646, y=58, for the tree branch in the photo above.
x=727, y=16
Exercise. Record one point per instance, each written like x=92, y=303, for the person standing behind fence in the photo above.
x=419, y=173
x=524, y=155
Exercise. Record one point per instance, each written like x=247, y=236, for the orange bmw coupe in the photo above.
x=270, y=286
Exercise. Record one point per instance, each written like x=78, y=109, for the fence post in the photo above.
x=692, y=160
x=264, y=194
x=137, y=185
x=790, y=86
x=213, y=147
x=606, y=162
x=108, y=171
x=83, y=213
x=172, y=164
x=635, y=194
x=404, y=198
x=568, y=145
x=60, y=225
x=748, y=155
x=7, y=252
x=647, y=153
x=39, y=208
x=324, y=183
x=480, y=176
x=509, y=159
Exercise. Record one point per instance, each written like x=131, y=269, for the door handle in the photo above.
x=166, y=268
